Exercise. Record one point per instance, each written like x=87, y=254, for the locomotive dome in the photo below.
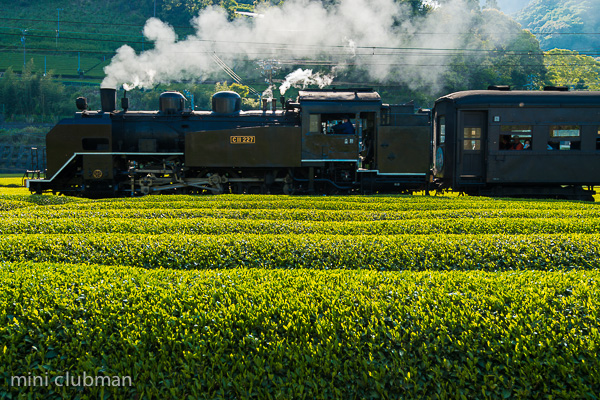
x=171, y=102
x=226, y=102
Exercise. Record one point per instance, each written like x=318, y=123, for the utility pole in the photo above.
x=24, y=32
x=58, y=25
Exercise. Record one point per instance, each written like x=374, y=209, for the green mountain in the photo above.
x=564, y=24
x=506, y=6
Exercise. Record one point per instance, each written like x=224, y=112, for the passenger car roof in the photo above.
x=527, y=98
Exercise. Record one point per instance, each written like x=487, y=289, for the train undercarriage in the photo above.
x=154, y=175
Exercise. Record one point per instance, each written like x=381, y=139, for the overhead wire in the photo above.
x=373, y=50
x=87, y=23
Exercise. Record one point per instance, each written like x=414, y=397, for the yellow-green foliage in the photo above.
x=304, y=334
x=301, y=297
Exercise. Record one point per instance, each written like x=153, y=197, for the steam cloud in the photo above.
x=377, y=37
x=303, y=78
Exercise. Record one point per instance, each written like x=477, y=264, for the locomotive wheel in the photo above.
x=289, y=189
x=235, y=187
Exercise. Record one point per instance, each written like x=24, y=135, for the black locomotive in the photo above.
x=494, y=142
x=328, y=141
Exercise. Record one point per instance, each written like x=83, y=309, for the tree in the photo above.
x=492, y=4
x=242, y=90
x=550, y=19
x=32, y=94
x=569, y=68
x=502, y=53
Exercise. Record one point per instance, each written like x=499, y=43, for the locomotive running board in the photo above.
x=96, y=154
x=391, y=173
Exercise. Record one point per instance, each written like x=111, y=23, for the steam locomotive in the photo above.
x=331, y=141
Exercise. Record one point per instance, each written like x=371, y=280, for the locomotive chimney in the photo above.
x=108, y=99
x=265, y=104
x=282, y=101
x=274, y=104
x=124, y=101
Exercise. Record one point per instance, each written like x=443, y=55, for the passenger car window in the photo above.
x=598, y=139
x=564, y=137
x=515, y=137
x=442, y=129
x=472, y=139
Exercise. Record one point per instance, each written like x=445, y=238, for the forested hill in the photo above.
x=506, y=6
x=563, y=19
x=406, y=49
x=423, y=50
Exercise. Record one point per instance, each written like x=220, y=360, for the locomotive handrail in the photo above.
x=99, y=153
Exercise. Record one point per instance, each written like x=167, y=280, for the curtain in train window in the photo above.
x=565, y=137
x=472, y=139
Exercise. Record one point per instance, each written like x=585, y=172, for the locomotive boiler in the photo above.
x=326, y=141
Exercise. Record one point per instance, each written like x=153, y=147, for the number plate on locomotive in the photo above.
x=242, y=139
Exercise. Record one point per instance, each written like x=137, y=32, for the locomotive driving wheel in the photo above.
x=288, y=186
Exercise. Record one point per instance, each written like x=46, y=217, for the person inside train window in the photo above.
x=513, y=137
x=504, y=142
x=345, y=127
x=527, y=144
x=516, y=143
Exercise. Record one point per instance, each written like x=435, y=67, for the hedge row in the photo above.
x=301, y=334
x=386, y=253
x=292, y=214
x=365, y=203
x=215, y=226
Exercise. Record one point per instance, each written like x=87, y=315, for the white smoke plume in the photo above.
x=268, y=93
x=377, y=37
x=304, y=77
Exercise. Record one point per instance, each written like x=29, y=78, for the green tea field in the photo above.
x=276, y=297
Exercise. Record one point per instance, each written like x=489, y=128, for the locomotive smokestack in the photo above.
x=108, y=99
x=274, y=104
x=124, y=101
x=265, y=104
x=282, y=101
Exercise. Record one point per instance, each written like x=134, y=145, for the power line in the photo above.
x=296, y=48
x=191, y=28
x=321, y=63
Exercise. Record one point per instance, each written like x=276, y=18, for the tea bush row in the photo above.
x=220, y=226
x=301, y=334
x=289, y=214
x=315, y=251
x=244, y=202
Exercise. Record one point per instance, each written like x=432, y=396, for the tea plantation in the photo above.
x=273, y=297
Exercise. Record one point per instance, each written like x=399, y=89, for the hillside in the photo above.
x=508, y=6
x=570, y=24
x=77, y=38
x=406, y=49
